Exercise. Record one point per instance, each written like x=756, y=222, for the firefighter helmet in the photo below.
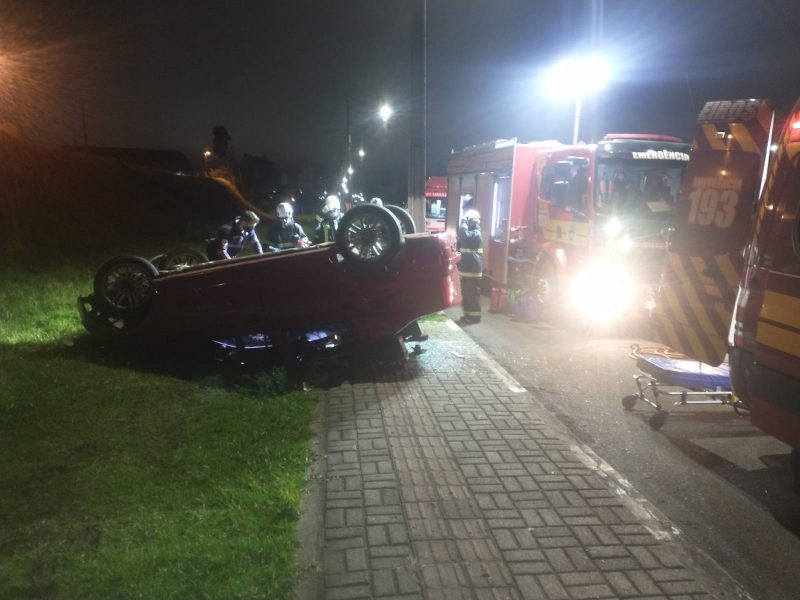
x=473, y=218
x=332, y=206
x=285, y=212
x=377, y=201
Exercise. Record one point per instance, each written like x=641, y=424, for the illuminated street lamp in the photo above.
x=206, y=154
x=576, y=77
x=385, y=112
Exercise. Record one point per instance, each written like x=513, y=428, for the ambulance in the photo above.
x=582, y=226
x=731, y=283
x=765, y=337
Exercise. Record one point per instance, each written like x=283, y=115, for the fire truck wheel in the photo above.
x=406, y=222
x=122, y=286
x=546, y=287
x=369, y=237
x=180, y=258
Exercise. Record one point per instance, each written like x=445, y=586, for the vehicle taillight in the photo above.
x=794, y=129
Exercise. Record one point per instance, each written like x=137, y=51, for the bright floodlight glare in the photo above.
x=361, y=152
x=574, y=77
x=350, y=170
x=613, y=227
x=595, y=298
x=385, y=112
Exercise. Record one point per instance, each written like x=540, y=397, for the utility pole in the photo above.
x=416, y=165
x=598, y=46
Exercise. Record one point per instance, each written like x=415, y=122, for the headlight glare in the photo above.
x=602, y=291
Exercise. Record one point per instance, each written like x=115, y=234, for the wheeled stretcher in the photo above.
x=662, y=367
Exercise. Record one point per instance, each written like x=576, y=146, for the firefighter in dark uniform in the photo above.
x=328, y=220
x=232, y=237
x=470, y=268
x=285, y=233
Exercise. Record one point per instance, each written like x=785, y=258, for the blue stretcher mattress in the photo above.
x=684, y=372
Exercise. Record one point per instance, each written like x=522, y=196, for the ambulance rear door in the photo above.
x=774, y=286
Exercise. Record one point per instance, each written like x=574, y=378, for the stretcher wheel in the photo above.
x=628, y=402
x=657, y=420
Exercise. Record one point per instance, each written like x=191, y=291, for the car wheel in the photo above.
x=180, y=258
x=122, y=286
x=406, y=222
x=369, y=236
x=156, y=260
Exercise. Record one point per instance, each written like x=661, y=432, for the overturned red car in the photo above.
x=363, y=289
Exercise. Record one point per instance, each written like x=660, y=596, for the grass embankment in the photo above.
x=125, y=475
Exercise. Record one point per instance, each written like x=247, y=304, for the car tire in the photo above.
x=122, y=286
x=180, y=258
x=369, y=236
x=156, y=260
x=406, y=222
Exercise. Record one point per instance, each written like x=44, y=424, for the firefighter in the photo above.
x=285, y=233
x=376, y=201
x=328, y=220
x=232, y=237
x=470, y=268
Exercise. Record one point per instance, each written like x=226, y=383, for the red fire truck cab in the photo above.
x=580, y=225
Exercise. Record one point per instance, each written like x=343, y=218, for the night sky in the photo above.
x=276, y=74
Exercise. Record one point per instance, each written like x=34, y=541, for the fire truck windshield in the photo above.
x=631, y=188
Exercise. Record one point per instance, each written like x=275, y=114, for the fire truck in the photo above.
x=435, y=203
x=575, y=225
x=731, y=281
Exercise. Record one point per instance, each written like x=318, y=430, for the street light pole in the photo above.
x=416, y=164
x=349, y=167
x=577, y=121
x=349, y=136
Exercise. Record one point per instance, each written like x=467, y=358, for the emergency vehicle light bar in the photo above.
x=641, y=136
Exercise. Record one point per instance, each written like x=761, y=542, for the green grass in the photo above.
x=137, y=476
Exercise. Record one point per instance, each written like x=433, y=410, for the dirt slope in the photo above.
x=59, y=202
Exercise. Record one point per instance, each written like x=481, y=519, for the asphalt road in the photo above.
x=724, y=485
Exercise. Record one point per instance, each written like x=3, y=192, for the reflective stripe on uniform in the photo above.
x=468, y=274
x=469, y=251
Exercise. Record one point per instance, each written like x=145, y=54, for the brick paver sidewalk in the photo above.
x=455, y=483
